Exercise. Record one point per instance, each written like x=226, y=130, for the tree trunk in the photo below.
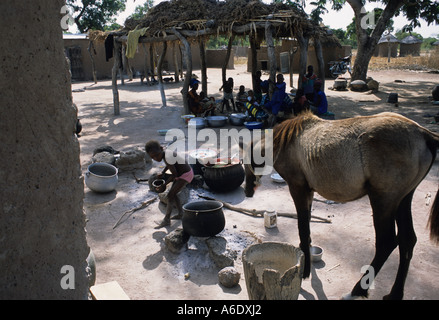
x=366, y=43
x=159, y=73
x=187, y=78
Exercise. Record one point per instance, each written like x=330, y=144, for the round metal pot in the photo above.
x=197, y=123
x=237, y=119
x=101, y=177
x=200, y=157
x=225, y=176
x=203, y=218
x=216, y=121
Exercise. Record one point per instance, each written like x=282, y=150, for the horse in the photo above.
x=383, y=156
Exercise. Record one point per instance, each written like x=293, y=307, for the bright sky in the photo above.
x=333, y=19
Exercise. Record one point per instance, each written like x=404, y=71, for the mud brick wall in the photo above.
x=42, y=225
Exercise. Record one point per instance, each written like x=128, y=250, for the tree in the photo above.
x=413, y=10
x=367, y=39
x=95, y=14
x=141, y=10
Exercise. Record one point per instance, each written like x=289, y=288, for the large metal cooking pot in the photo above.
x=225, y=175
x=237, y=119
x=203, y=218
x=101, y=177
x=197, y=123
x=216, y=121
x=200, y=157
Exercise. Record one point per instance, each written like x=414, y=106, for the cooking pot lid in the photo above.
x=203, y=153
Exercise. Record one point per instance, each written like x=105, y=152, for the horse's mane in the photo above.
x=285, y=131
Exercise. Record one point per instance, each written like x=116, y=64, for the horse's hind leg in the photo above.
x=385, y=240
x=406, y=242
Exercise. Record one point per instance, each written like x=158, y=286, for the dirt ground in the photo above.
x=134, y=253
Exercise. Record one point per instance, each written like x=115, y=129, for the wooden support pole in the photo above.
x=159, y=73
x=226, y=62
x=151, y=61
x=254, y=59
x=203, y=65
x=303, y=40
x=187, y=78
x=271, y=56
x=320, y=61
x=175, y=59
x=146, y=66
x=91, y=50
x=116, y=57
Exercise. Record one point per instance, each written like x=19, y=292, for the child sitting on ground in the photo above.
x=181, y=175
x=320, y=103
x=241, y=98
x=300, y=102
x=253, y=108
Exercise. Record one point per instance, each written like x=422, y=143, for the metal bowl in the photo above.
x=187, y=117
x=277, y=178
x=216, y=121
x=237, y=119
x=253, y=125
x=316, y=253
x=197, y=123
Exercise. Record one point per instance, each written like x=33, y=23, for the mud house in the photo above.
x=386, y=43
x=410, y=45
x=83, y=51
x=287, y=58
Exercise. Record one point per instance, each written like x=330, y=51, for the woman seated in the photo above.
x=200, y=105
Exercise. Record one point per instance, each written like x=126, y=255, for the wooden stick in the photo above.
x=259, y=213
x=142, y=205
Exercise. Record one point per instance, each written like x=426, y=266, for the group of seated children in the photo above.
x=257, y=103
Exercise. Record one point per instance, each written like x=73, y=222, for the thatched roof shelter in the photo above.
x=387, y=44
x=195, y=20
x=410, y=45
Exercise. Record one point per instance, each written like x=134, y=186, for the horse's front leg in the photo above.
x=303, y=200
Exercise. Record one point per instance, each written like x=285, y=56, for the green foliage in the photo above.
x=95, y=14
x=141, y=10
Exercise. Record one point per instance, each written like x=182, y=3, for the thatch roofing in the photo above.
x=226, y=17
x=411, y=40
x=388, y=38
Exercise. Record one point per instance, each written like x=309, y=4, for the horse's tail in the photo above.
x=433, y=220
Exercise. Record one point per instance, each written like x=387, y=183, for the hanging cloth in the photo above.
x=133, y=41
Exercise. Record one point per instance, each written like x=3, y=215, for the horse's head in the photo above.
x=258, y=161
x=252, y=181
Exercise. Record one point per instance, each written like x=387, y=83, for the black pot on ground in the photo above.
x=226, y=175
x=203, y=218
